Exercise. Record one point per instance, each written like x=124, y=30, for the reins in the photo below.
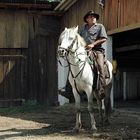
x=83, y=65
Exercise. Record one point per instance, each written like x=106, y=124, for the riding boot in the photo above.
x=102, y=81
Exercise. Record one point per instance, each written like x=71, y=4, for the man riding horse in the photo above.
x=95, y=35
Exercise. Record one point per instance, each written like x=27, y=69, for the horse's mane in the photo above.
x=81, y=40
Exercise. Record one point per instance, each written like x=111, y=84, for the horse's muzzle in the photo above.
x=62, y=52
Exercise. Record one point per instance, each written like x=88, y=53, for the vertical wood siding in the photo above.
x=115, y=14
x=121, y=13
x=14, y=29
x=111, y=14
x=12, y=70
x=74, y=16
x=29, y=73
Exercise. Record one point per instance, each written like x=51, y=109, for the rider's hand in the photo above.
x=90, y=46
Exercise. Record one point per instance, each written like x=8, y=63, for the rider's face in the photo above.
x=91, y=19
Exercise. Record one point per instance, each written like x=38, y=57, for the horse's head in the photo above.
x=67, y=40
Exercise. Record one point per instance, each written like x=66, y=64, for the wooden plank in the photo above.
x=12, y=82
x=132, y=84
x=33, y=74
x=17, y=77
x=51, y=71
x=11, y=102
x=128, y=48
x=125, y=28
x=21, y=29
x=46, y=13
x=1, y=77
x=2, y=30
x=14, y=29
x=24, y=75
x=42, y=85
x=10, y=74
x=26, y=6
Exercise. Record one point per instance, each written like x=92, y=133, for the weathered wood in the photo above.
x=74, y=16
x=121, y=15
x=11, y=102
x=128, y=48
x=14, y=29
x=125, y=28
x=30, y=71
x=132, y=84
x=26, y=6
x=42, y=60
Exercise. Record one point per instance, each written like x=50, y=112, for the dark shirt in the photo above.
x=92, y=34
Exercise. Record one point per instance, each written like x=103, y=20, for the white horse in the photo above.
x=72, y=46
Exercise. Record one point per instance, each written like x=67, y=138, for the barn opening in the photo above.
x=126, y=50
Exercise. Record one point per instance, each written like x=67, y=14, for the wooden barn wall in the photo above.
x=115, y=14
x=74, y=16
x=13, y=43
x=13, y=29
x=121, y=13
x=43, y=58
x=28, y=57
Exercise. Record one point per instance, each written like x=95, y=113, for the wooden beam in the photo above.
x=122, y=29
x=26, y=6
x=12, y=56
x=128, y=48
x=64, y=5
x=46, y=13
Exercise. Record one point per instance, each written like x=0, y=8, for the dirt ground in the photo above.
x=55, y=123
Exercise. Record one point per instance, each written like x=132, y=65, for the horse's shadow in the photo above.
x=61, y=121
x=45, y=131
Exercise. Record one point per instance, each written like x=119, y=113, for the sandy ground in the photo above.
x=56, y=123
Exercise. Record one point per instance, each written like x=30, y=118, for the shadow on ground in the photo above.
x=59, y=121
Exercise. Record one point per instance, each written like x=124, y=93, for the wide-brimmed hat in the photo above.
x=91, y=13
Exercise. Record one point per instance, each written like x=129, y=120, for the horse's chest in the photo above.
x=79, y=84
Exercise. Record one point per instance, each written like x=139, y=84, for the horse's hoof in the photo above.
x=93, y=130
x=101, y=124
x=106, y=123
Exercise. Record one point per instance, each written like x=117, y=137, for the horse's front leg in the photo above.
x=91, y=110
x=78, y=124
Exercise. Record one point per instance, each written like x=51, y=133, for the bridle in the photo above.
x=69, y=51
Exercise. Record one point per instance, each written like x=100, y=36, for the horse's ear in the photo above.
x=66, y=28
x=76, y=28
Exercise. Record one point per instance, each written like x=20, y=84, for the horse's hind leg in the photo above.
x=99, y=102
x=78, y=124
x=107, y=103
x=91, y=111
